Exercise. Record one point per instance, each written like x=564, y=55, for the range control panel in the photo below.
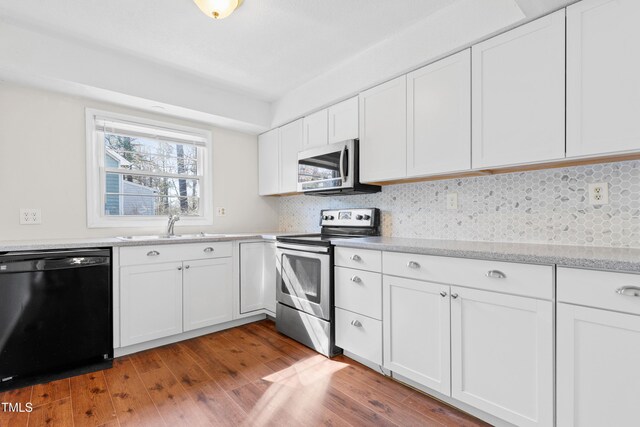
x=361, y=217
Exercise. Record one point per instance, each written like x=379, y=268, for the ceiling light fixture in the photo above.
x=218, y=9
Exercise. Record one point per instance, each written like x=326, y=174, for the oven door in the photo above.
x=304, y=278
x=327, y=167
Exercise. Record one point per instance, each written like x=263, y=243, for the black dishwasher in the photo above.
x=55, y=314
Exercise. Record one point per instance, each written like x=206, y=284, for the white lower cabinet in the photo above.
x=502, y=355
x=598, y=383
x=150, y=302
x=416, y=331
x=207, y=293
x=257, y=277
x=598, y=336
x=360, y=335
x=160, y=299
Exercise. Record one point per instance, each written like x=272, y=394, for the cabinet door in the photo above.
x=603, y=88
x=269, y=270
x=290, y=144
x=383, y=131
x=316, y=128
x=502, y=355
x=150, y=302
x=598, y=382
x=416, y=331
x=252, y=276
x=518, y=82
x=343, y=120
x=268, y=163
x=439, y=116
x=208, y=298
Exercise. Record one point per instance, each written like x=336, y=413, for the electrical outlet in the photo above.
x=221, y=211
x=30, y=216
x=599, y=193
x=452, y=201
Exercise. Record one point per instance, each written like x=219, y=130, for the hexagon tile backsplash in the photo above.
x=546, y=206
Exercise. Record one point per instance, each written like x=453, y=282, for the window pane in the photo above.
x=150, y=195
x=136, y=205
x=145, y=154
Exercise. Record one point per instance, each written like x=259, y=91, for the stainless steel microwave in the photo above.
x=332, y=170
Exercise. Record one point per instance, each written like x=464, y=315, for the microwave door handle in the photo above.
x=342, y=153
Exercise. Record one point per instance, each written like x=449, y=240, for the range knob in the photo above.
x=359, y=217
x=325, y=217
x=331, y=217
x=366, y=217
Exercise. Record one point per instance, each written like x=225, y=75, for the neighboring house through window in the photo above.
x=141, y=171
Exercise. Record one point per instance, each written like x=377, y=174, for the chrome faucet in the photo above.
x=171, y=224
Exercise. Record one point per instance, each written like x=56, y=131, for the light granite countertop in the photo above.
x=32, y=245
x=598, y=258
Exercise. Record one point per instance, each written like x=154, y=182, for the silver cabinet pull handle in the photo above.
x=356, y=279
x=356, y=323
x=180, y=268
x=443, y=294
x=187, y=267
x=629, y=291
x=496, y=274
x=413, y=264
x=355, y=257
x=454, y=296
x=208, y=249
x=153, y=253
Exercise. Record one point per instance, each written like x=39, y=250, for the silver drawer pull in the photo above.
x=356, y=323
x=454, y=296
x=496, y=274
x=356, y=279
x=187, y=267
x=355, y=257
x=629, y=291
x=413, y=264
x=153, y=253
x=208, y=249
x=179, y=268
x=443, y=294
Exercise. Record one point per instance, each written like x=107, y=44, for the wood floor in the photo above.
x=249, y=375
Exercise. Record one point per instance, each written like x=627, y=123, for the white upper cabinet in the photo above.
x=343, y=120
x=269, y=163
x=291, y=136
x=518, y=84
x=603, y=84
x=439, y=116
x=316, y=129
x=383, y=131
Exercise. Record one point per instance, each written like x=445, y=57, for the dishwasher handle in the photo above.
x=52, y=263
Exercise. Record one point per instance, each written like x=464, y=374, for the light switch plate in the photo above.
x=452, y=201
x=220, y=211
x=30, y=216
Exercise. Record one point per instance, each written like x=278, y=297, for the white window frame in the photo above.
x=95, y=178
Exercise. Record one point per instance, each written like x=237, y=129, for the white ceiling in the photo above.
x=266, y=48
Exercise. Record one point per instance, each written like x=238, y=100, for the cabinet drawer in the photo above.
x=362, y=259
x=518, y=279
x=599, y=289
x=152, y=254
x=359, y=335
x=359, y=291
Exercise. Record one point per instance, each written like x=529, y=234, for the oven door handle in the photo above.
x=342, y=153
x=305, y=248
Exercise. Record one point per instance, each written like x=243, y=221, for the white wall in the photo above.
x=42, y=165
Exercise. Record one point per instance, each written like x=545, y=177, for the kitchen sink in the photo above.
x=167, y=237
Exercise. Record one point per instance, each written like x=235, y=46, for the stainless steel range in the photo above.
x=304, y=292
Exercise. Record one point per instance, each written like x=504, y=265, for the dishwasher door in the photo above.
x=55, y=312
